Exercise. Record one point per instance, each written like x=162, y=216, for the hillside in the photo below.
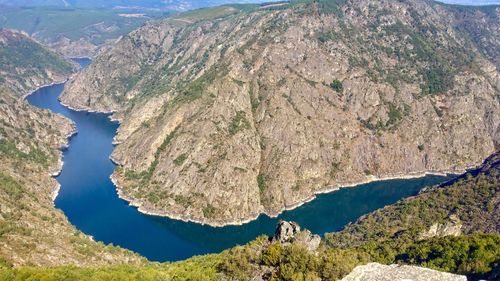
x=464, y=210
x=75, y=32
x=26, y=65
x=234, y=111
x=82, y=28
x=32, y=231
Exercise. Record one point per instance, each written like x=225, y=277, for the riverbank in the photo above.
x=136, y=203
x=142, y=206
x=56, y=170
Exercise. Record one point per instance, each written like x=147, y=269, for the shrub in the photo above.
x=180, y=160
x=272, y=255
x=238, y=123
x=261, y=182
x=209, y=211
x=337, y=86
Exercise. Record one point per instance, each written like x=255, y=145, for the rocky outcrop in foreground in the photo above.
x=393, y=272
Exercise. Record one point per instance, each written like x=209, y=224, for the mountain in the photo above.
x=81, y=28
x=32, y=231
x=179, y=5
x=230, y=112
x=75, y=32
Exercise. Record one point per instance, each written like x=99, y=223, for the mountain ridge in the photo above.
x=229, y=114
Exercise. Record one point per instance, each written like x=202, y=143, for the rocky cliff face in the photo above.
x=227, y=113
x=32, y=231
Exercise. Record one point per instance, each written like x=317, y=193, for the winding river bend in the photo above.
x=89, y=199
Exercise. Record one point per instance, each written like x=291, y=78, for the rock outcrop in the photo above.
x=227, y=114
x=451, y=228
x=379, y=272
x=289, y=232
x=286, y=231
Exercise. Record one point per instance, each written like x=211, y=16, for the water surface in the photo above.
x=89, y=198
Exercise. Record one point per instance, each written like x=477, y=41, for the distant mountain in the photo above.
x=75, y=31
x=80, y=28
x=151, y=4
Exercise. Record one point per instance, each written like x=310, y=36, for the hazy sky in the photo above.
x=472, y=2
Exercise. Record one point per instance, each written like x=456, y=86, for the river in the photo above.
x=89, y=199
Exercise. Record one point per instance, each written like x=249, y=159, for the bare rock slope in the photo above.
x=231, y=112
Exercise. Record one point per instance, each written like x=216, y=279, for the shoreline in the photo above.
x=136, y=203
x=60, y=162
x=24, y=97
x=139, y=206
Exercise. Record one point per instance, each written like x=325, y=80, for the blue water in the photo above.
x=89, y=199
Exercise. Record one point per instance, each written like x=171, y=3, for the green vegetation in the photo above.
x=198, y=268
x=209, y=211
x=210, y=13
x=238, y=123
x=397, y=226
x=394, y=114
x=11, y=187
x=474, y=255
x=325, y=6
x=436, y=80
x=334, y=169
x=180, y=160
x=20, y=51
x=390, y=235
x=194, y=90
x=262, y=182
x=96, y=25
x=337, y=86
x=35, y=155
x=145, y=176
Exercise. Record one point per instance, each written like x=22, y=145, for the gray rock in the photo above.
x=289, y=232
x=451, y=228
x=286, y=231
x=393, y=272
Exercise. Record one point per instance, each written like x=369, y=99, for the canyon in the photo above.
x=231, y=112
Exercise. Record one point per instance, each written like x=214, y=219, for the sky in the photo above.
x=472, y=2
x=192, y=3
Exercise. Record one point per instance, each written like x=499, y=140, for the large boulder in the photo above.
x=286, y=231
x=289, y=232
x=393, y=272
